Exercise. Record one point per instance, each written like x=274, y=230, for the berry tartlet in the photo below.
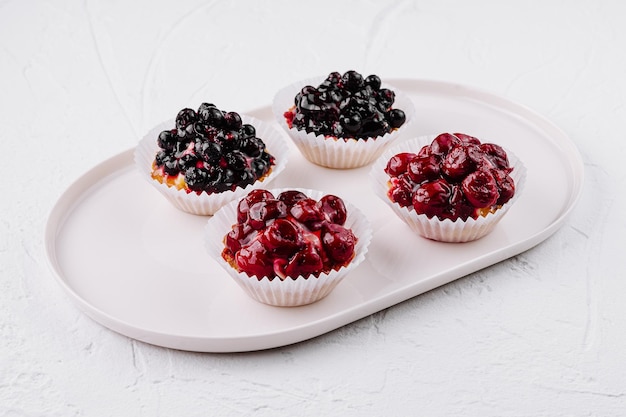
x=451, y=187
x=288, y=247
x=206, y=158
x=343, y=120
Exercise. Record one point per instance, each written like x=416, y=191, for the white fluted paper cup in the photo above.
x=433, y=228
x=332, y=152
x=207, y=204
x=288, y=292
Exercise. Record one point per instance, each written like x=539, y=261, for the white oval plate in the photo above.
x=138, y=266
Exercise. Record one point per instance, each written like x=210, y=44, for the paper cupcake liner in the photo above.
x=333, y=152
x=288, y=292
x=207, y=204
x=432, y=228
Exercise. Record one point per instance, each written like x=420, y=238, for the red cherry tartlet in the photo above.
x=288, y=247
x=454, y=188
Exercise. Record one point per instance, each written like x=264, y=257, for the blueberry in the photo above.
x=167, y=140
x=170, y=166
x=247, y=131
x=209, y=151
x=351, y=122
x=396, y=118
x=187, y=161
x=185, y=117
x=373, y=81
x=233, y=120
x=213, y=116
x=352, y=80
x=204, y=110
x=160, y=157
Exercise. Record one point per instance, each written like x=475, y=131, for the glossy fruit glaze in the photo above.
x=289, y=235
x=454, y=177
x=346, y=106
x=211, y=151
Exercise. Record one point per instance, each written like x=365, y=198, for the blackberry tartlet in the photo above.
x=206, y=158
x=342, y=120
x=450, y=188
x=288, y=247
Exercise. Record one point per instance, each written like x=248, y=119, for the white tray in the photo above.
x=138, y=266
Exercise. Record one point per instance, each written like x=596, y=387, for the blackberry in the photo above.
x=346, y=106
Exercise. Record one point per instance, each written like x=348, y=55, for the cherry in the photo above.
x=289, y=197
x=401, y=193
x=333, y=209
x=307, y=212
x=480, y=188
x=432, y=198
x=338, y=242
x=305, y=262
x=422, y=169
x=496, y=155
x=398, y=164
x=283, y=237
x=443, y=143
x=263, y=211
x=457, y=162
x=254, y=260
x=253, y=197
x=506, y=185
x=467, y=139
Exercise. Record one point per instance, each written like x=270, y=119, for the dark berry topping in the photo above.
x=346, y=106
x=213, y=150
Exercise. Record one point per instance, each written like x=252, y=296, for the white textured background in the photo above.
x=541, y=334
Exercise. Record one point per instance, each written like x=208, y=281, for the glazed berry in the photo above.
x=290, y=197
x=481, y=189
x=167, y=140
x=399, y=163
x=185, y=118
x=262, y=212
x=338, y=242
x=454, y=177
x=283, y=237
x=289, y=235
x=252, y=198
x=346, y=106
x=333, y=209
x=213, y=140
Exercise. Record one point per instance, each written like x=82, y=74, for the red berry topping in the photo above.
x=289, y=235
x=454, y=177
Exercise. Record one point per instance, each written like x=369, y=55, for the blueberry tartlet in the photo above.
x=206, y=158
x=342, y=120
x=452, y=188
x=288, y=247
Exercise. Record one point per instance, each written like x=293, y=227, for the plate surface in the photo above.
x=138, y=266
